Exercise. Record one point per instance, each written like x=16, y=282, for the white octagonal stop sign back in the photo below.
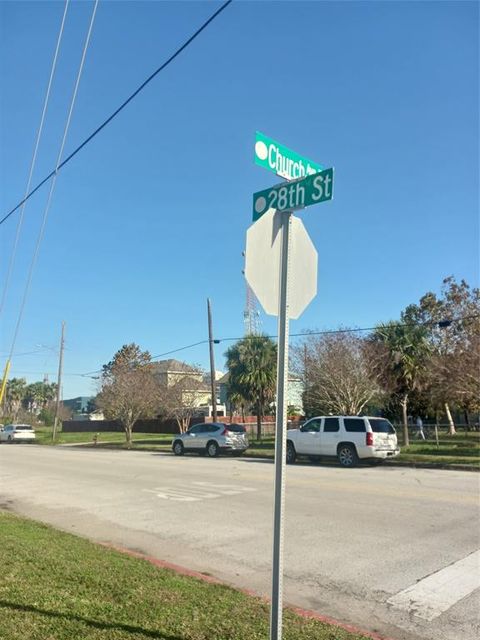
x=262, y=264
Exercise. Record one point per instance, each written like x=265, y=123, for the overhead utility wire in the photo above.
x=440, y=323
x=120, y=108
x=33, y=161
x=53, y=183
x=25, y=353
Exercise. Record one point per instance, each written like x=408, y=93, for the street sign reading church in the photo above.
x=281, y=160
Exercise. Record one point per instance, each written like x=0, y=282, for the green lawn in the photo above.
x=463, y=448
x=44, y=436
x=56, y=586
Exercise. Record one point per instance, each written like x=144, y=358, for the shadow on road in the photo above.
x=97, y=624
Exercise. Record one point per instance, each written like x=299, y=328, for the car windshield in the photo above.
x=379, y=425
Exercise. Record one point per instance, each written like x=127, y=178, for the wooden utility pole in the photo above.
x=212, y=362
x=59, y=381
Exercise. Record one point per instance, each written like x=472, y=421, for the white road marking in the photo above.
x=433, y=595
x=198, y=491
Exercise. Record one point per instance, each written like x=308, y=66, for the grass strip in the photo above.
x=57, y=586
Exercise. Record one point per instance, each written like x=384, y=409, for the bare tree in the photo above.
x=335, y=374
x=181, y=399
x=129, y=390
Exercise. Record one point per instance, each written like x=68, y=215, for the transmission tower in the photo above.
x=251, y=315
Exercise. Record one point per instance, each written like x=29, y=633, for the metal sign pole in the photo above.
x=280, y=434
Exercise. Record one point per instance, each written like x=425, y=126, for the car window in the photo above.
x=23, y=427
x=354, y=424
x=330, y=425
x=312, y=425
x=211, y=428
x=197, y=428
x=380, y=425
x=236, y=428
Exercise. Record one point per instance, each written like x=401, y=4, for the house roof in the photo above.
x=224, y=378
x=164, y=366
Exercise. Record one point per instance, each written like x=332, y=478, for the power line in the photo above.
x=120, y=108
x=34, y=159
x=25, y=353
x=440, y=323
x=52, y=186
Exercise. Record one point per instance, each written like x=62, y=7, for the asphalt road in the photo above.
x=392, y=550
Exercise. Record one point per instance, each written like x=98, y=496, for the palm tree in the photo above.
x=39, y=394
x=236, y=402
x=15, y=392
x=252, y=365
x=400, y=361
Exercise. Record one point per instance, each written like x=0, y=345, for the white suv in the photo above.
x=17, y=433
x=349, y=438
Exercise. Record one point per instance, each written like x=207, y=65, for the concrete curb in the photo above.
x=304, y=613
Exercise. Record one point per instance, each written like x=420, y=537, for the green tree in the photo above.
x=252, y=366
x=14, y=395
x=453, y=329
x=237, y=402
x=38, y=395
x=399, y=357
x=129, y=390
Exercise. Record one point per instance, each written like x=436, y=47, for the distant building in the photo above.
x=168, y=372
x=78, y=405
x=81, y=408
x=196, y=392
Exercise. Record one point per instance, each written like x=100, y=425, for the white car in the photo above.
x=17, y=433
x=348, y=438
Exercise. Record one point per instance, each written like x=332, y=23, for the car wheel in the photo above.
x=291, y=453
x=178, y=448
x=347, y=455
x=10, y=439
x=212, y=449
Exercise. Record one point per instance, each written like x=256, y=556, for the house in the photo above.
x=195, y=391
x=78, y=405
x=169, y=372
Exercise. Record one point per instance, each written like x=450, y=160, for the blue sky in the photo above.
x=150, y=218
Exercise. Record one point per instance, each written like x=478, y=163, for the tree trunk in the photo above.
x=403, y=403
x=467, y=419
x=128, y=435
x=259, y=422
x=451, y=424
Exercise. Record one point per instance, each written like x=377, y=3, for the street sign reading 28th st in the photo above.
x=289, y=196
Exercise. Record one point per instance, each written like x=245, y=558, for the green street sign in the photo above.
x=281, y=160
x=298, y=194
